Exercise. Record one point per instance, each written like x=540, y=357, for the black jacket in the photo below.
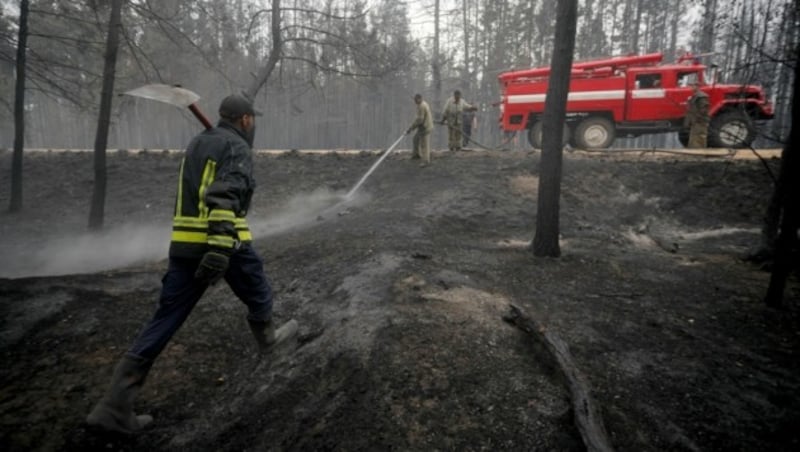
x=214, y=191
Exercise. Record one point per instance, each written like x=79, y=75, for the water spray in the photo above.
x=349, y=196
x=375, y=165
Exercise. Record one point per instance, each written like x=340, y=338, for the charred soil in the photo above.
x=401, y=298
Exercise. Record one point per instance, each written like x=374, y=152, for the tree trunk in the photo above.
x=464, y=17
x=637, y=26
x=96, y=213
x=436, y=65
x=709, y=25
x=19, y=111
x=274, y=55
x=787, y=193
x=545, y=242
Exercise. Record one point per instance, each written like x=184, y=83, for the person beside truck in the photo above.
x=697, y=117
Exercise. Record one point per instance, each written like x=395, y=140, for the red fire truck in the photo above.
x=631, y=96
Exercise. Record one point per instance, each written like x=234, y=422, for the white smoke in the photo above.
x=130, y=244
x=304, y=210
x=115, y=247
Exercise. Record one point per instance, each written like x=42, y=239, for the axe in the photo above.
x=173, y=95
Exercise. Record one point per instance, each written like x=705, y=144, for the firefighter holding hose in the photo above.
x=423, y=125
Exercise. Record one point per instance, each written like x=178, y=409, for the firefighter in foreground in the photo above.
x=210, y=241
x=697, y=118
x=452, y=116
x=423, y=124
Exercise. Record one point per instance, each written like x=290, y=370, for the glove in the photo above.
x=409, y=131
x=212, y=266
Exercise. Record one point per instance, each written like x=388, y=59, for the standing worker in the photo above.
x=697, y=118
x=423, y=124
x=210, y=241
x=452, y=117
x=469, y=119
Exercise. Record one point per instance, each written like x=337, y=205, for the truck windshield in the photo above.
x=687, y=78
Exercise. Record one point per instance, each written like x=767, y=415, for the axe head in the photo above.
x=174, y=95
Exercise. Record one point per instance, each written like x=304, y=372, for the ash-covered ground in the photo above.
x=401, y=295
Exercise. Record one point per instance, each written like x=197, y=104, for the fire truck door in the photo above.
x=679, y=94
x=645, y=98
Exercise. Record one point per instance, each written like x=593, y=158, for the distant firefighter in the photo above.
x=697, y=118
x=452, y=116
x=423, y=124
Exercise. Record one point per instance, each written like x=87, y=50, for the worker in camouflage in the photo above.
x=452, y=116
x=697, y=118
x=423, y=124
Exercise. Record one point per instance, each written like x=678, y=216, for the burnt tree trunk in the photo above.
x=436, y=69
x=586, y=412
x=19, y=111
x=787, y=195
x=545, y=242
x=464, y=17
x=97, y=211
x=275, y=53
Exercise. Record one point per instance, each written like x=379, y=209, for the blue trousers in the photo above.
x=180, y=292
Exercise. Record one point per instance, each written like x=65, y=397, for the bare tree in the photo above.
x=465, y=23
x=436, y=65
x=274, y=55
x=19, y=110
x=545, y=242
x=708, y=30
x=96, y=213
x=787, y=193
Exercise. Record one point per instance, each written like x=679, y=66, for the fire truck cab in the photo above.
x=631, y=96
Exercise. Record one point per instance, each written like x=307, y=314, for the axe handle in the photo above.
x=199, y=115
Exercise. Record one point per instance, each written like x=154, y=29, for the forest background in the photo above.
x=348, y=69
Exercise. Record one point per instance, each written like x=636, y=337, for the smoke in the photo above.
x=115, y=247
x=304, y=210
x=127, y=245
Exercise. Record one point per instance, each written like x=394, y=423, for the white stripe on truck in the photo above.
x=590, y=95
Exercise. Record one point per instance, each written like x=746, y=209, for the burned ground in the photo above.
x=401, y=296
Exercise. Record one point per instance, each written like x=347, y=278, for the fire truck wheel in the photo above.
x=535, y=135
x=594, y=132
x=733, y=129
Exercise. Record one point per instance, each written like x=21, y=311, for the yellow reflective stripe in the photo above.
x=190, y=222
x=223, y=241
x=189, y=237
x=195, y=230
x=222, y=215
x=179, y=203
x=203, y=237
x=208, y=177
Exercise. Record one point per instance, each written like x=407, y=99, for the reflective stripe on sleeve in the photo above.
x=222, y=215
x=222, y=241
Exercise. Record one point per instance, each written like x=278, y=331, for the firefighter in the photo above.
x=423, y=124
x=697, y=117
x=210, y=241
x=469, y=120
x=452, y=117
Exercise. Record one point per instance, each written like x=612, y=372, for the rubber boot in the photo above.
x=267, y=336
x=114, y=412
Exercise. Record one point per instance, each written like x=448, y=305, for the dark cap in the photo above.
x=235, y=106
